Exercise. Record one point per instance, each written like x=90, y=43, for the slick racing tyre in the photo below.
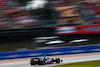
x=57, y=60
x=32, y=62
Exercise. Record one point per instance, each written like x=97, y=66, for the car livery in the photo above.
x=45, y=61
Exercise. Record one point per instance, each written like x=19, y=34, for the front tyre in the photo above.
x=57, y=60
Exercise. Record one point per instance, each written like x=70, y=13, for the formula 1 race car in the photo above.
x=45, y=61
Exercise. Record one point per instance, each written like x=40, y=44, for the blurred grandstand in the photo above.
x=22, y=23
x=71, y=13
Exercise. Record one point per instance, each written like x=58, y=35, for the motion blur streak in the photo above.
x=60, y=57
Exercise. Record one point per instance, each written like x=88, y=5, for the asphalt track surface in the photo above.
x=24, y=62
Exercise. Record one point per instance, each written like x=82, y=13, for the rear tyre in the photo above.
x=32, y=62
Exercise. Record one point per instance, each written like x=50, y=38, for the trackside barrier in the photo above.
x=50, y=52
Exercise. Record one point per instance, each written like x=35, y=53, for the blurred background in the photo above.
x=55, y=23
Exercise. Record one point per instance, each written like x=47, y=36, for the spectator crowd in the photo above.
x=72, y=12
